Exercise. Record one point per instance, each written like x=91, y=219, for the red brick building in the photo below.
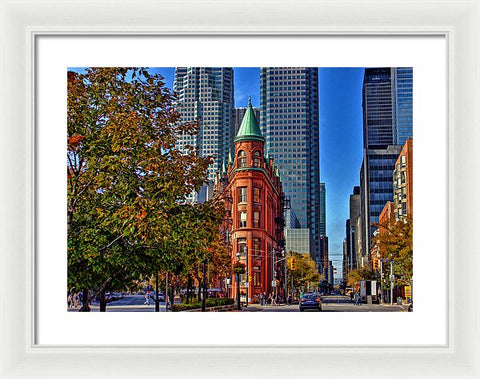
x=254, y=200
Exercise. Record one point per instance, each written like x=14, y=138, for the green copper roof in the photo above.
x=249, y=129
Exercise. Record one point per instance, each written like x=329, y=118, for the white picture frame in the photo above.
x=22, y=22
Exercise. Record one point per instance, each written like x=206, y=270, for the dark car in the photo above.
x=310, y=301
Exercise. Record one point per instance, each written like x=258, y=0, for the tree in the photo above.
x=305, y=275
x=353, y=277
x=395, y=242
x=362, y=273
x=125, y=178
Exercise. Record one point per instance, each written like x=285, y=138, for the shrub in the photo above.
x=198, y=304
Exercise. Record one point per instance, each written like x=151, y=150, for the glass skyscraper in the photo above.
x=289, y=121
x=387, y=123
x=403, y=92
x=323, y=212
x=205, y=95
x=387, y=106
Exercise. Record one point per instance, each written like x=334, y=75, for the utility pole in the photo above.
x=274, y=283
x=166, y=292
x=285, y=286
x=381, y=281
x=392, y=279
x=248, y=278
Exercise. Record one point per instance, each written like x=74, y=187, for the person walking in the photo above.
x=261, y=299
x=273, y=299
x=147, y=299
x=357, y=299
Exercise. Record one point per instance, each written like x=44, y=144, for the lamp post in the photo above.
x=238, y=283
x=392, y=280
x=274, y=283
x=245, y=249
x=381, y=281
x=285, y=287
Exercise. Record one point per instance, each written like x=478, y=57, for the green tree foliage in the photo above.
x=126, y=181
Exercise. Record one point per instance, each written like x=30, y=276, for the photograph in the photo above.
x=240, y=189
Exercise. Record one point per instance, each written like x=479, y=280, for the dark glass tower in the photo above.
x=387, y=123
x=289, y=120
x=323, y=212
x=403, y=92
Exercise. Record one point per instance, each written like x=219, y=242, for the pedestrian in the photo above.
x=261, y=299
x=147, y=299
x=273, y=299
x=357, y=299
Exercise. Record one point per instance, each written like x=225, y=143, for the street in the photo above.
x=331, y=303
x=130, y=303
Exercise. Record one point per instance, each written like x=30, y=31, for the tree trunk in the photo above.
x=204, y=297
x=103, y=301
x=189, y=288
x=85, y=307
x=199, y=280
x=157, y=298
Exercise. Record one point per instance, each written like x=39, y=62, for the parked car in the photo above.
x=310, y=300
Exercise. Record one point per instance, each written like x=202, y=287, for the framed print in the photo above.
x=43, y=40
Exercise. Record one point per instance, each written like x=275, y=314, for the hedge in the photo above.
x=198, y=304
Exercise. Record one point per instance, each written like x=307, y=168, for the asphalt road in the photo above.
x=333, y=303
x=131, y=303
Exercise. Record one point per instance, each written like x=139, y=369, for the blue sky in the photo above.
x=340, y=94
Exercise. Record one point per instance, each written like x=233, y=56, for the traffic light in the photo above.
x=375, y=264
x=293, y=268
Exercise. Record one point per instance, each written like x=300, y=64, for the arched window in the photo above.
x=256, y=158
x=242, y=159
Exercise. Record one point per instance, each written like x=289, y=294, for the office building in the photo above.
x=351, y=230
x=323, y=212
x=387, y=109
x=323, y=268
x=376, y=188
x=403, y=92
x=205, y=95
x=290, y=122
x=403, y=182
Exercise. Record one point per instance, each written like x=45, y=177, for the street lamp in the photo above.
x=238, y=283
x=285, y=287
x=274, y=283
x=245, y=249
